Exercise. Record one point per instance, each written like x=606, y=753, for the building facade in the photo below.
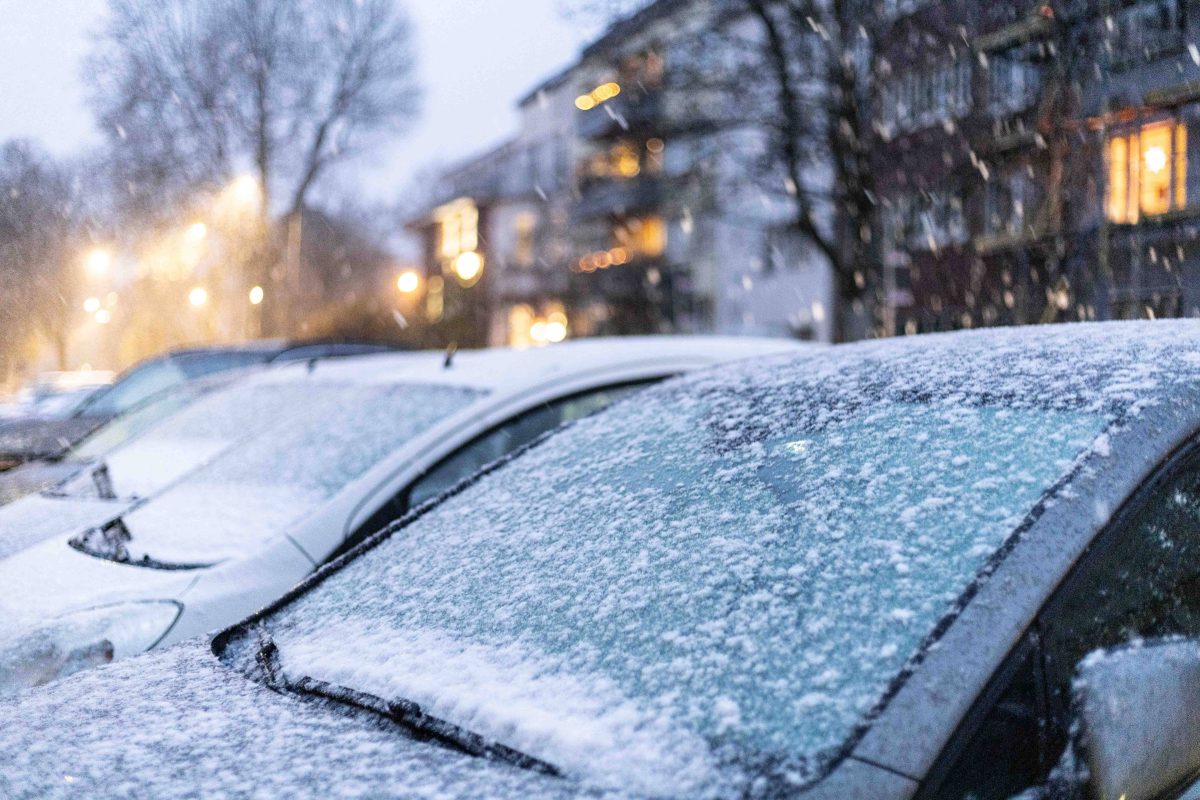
x=616, y=210
x=1034, y=160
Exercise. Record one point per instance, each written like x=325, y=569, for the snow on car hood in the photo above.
x=36, y=518
x=178, y=723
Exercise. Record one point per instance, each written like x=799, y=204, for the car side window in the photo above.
x=508, y=437
x=1007, y=750
x=488, y=447
x=1139, y=578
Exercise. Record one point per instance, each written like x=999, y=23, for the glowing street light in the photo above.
x=244, y=191
x=103, y=316
x=198, y=296
x=256, y=295
x=408, y=282
x=468, y=266
x=197, y=232
x=98, y=262
x=91, y=305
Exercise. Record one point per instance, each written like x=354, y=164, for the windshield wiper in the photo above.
x=103, y=482
x=404, y=713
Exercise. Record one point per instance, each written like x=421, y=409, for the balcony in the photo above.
x=615, y=197
x=618, y=115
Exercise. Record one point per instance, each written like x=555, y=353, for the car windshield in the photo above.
x=134, y=422
x=275, y=452
x=710, y=584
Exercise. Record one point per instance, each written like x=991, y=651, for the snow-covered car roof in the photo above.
x=513, y=369
x=724, y=583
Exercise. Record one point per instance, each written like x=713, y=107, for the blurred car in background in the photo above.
x=223, y=506
x=42, y=473
x=55, y=394
x=39, y=436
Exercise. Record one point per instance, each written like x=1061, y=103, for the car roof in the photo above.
x=512, y=369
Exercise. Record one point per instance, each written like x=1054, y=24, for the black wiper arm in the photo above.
x=103, y=482
x=405, y=713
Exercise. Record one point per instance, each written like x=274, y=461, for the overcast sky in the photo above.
x=477, y=57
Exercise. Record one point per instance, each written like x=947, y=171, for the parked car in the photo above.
x=43, y=473
x=41, y=436
x=56, y=394
x=864, y=572
x=228, y=503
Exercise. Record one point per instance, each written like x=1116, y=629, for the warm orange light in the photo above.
x=197, y=232
x=602, y=93
x=468, y=266
x=408, y=281
x=198, y=296
x=1156, y=179
x=98, y=262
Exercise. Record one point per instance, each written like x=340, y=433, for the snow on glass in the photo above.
x=323, y=436
x=708, y=588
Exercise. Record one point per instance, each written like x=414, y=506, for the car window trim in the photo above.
x=968, y=726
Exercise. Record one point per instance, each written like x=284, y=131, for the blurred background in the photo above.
x=425, y=172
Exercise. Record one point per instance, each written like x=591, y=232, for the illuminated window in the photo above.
x=646, y=236
x=526, y=228
x=1147, y=172
x=459, y=222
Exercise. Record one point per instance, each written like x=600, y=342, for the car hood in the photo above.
x=180, y=723
x=32, y=477
x=27, y=439
x=36, y=518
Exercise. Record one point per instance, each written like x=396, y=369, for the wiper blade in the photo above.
x=405, y=713
x=103, y=482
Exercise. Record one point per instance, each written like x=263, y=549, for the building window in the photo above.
x=891, y=9
x=1147, y=28
x=644, y=236
x=922, y=98
x=1014, y=79
x=1147, y=172
x=526, y=230
x=925, y=221
x=458, y=226
x=1011, y=204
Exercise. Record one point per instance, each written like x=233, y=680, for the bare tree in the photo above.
x=189, y=92
x=41, y=225
x=797, y=73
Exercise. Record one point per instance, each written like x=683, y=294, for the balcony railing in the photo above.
x=622, y=113
x=617, y=197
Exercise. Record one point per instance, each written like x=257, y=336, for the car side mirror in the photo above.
x=1137, y=710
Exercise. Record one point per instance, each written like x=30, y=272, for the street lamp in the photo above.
x=197, y=232
x=91, y=305
x=408, y=282
x=256, y=295
x=468, y=266
x=97, y=262
x=198, y=296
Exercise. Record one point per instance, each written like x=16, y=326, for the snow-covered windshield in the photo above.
x=126, y=426
x=714, y=582
x=323, y=435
